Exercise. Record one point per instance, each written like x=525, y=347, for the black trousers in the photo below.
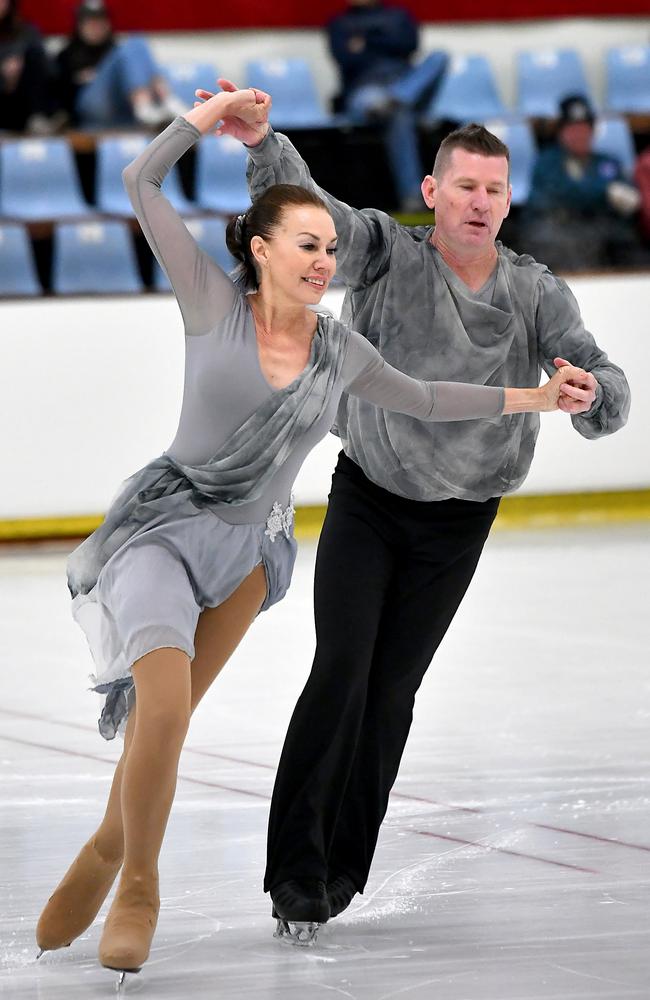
x=390, y=575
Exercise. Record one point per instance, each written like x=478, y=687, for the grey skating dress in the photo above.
x=188, y=528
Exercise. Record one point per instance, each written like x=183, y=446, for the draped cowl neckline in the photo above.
x=495, y=315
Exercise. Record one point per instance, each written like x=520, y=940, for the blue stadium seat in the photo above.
x=468, y=92
x=94, y=257
x=221, y=175
x=17, y=269
x=518, y=137
x=612, y=136
x=39, y=180
x=210, y=234
x=628, y=79
x=290, y=82
x=545, y=77
x=113, y=155
x=185, y=78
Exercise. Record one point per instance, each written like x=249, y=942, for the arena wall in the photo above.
x=91, y=390
x=205, y=15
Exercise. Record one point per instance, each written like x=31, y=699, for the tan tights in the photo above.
x=168, y=689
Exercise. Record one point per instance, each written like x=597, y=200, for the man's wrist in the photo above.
x=267, y=151
x=262, y=136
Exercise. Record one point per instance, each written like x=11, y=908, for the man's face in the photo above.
x=576, y=138
x=471, y=199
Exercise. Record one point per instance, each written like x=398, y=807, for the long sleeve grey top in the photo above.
x=424, y=320
x=224, y=383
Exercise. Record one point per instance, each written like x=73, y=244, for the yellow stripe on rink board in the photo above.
x=43, y=528
x=557, y=510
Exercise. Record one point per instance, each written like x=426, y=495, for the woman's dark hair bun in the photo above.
x=235, y=237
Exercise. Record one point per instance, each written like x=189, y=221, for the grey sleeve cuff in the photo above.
x=597, y=403
x=181, y=124
x=268, y=151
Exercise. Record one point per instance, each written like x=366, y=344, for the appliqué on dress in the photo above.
x=280, y=520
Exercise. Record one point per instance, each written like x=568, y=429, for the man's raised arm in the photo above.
x=365, y=238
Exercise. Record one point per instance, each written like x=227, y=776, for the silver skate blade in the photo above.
x=301, y=934
x=120, y=983
x=41, y=952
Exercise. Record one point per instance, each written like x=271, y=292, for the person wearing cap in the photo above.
x=581, y=207
x=106, y=83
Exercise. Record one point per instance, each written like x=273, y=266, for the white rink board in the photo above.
x=90, y=390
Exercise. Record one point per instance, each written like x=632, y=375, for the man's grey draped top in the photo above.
x=424, y=320
x=240, y=442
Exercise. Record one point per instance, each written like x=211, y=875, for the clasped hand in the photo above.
x=571, y=389
x=243, y=114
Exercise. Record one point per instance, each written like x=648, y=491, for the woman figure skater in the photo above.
x=200, y=540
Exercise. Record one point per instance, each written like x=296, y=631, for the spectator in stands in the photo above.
x=581, y=207
x=373, y=46
x=26, y=102
x=642, y=180
x=106, y=83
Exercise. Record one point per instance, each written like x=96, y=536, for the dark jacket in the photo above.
x=389, y=37
x=73, y=61
x=555, y=189
x=34, y=90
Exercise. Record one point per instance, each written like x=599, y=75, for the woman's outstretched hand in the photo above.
x=242, y=117
x=564, y=391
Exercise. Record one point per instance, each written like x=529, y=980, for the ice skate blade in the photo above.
x=300, y=933
x=121, y=979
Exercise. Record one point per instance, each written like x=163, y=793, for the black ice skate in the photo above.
x=341, y=890
x=300, y=907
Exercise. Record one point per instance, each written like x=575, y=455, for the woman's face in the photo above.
x=299, y=261
x=4, y=8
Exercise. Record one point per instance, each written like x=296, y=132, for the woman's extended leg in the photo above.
x=166, y=695
x=163, y=695
x=76, y=901
x=78, y=898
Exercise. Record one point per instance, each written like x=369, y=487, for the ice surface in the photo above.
x=514, y=860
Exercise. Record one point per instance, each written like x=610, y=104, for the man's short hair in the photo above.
x=474, y=139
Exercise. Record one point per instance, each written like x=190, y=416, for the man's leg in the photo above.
x=429, y=585
x=414, y=88
x=402, y=149
x=353, y=569
x=373, y=102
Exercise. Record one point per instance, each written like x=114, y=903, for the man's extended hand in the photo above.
x=577, y=396
x=249, y=126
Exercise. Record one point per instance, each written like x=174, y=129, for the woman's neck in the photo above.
x=275, y=316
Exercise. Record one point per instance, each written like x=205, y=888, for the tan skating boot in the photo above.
x=77, y=899
x=130, y=925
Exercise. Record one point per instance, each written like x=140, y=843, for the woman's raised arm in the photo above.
x=204, y=292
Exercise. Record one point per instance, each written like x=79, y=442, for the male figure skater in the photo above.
x=411, y=504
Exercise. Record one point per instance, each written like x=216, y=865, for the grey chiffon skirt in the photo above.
x=150, y=593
